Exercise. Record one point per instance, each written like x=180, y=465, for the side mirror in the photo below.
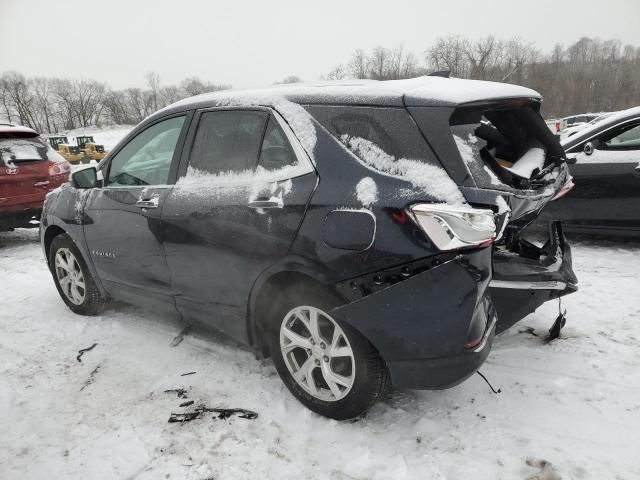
x=588, y=148
x=85, y=178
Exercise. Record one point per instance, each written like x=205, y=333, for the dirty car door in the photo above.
x=122, y=219
x=243, y=189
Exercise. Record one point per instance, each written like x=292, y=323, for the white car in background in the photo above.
x=571, y=125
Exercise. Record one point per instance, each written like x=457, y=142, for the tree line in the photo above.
x=51, y=105
x=589, y=75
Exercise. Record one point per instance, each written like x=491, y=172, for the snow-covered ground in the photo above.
x=108, y=136
x=569, y=409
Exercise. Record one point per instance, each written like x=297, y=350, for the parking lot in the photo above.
x=567, y=409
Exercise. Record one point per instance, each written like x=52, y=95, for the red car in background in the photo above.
x=29, y=169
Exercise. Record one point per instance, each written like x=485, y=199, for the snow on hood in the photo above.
x=428, y=178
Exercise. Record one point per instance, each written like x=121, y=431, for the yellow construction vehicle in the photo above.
x=92, y=150
x=71, y=154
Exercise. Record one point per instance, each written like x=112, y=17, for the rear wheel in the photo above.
x=327, y=365
x=73, y=279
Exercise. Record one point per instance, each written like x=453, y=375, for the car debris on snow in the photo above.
x=177, y=340
x=82, y=350
x=181, y=392
x=91, y=378
x=223, y=413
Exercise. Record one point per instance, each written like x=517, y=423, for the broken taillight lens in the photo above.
x=566, y=188
x=450, y=227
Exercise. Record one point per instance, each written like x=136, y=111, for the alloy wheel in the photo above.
x=69, y=276
x=317, y=353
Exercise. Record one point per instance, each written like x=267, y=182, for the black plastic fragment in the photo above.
x=82, y=350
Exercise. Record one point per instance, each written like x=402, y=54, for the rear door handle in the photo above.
x=148, y=203
x=273, y=202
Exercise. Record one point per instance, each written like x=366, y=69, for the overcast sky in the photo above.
x=249, y=44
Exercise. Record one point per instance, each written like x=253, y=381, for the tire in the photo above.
x=64, y=257
x=347, y=375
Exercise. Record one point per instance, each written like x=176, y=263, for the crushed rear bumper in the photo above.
x=420, y=326
x=524, y=280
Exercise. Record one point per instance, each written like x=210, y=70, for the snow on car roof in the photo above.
x=9, y=128
x=422, y=91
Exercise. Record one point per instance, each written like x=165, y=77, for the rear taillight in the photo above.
x=557, y=126
x=451, y=227
x=59, y=168
x=566, y=188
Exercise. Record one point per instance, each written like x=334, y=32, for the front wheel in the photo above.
x=73, y=279
x=326, y=364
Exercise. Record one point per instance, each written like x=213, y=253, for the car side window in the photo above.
x=228, y=141
x=627, y=139
x=276, y=151
x=146, y=159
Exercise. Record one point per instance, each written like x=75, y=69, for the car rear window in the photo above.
x=503, y=145
x=389, y=130
x=14, y=150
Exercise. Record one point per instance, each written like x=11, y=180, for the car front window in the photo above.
x=629, y=139
x=146, y=160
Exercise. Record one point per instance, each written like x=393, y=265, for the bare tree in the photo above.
x=358, y=65
x=338, y=73
x=153, y=82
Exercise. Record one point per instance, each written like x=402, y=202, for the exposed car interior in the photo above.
x=512, y=141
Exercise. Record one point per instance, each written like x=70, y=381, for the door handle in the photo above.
x=148, y=203
x=637, y=170
x=273, y=202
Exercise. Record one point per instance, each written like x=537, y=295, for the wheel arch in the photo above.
x=266, y=291
x=50, y=233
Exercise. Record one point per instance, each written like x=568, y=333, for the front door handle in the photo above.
x=148, y=203
x=273, y=202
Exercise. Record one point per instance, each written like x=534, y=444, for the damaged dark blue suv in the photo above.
x=363, y=235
